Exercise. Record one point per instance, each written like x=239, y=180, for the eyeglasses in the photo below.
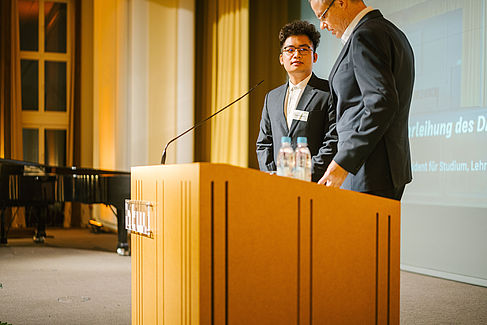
x=324, y=12
x=304, y=50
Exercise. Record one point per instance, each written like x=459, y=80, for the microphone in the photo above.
x=163, y=158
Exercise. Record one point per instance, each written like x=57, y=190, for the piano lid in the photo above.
x=26, y=168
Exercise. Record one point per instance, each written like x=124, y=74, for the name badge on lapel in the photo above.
x=300, y=115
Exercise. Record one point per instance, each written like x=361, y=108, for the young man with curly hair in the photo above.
x=300, y=107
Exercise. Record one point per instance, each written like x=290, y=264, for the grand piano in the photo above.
x=33, y=185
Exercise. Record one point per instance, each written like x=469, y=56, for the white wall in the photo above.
x=161, y=80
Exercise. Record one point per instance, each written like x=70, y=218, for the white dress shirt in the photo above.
x=293, y=95
x=353, y=24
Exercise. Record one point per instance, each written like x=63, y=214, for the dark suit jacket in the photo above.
x=371, y=86
x=319, y=128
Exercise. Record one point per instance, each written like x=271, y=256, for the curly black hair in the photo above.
x=300, y=27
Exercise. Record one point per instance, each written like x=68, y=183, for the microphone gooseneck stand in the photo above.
x=163, y=158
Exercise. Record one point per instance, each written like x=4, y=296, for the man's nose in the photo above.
x=297, y=53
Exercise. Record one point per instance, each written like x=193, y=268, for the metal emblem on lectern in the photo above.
x=138, y=216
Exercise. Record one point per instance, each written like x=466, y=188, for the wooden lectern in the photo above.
x=218, y=244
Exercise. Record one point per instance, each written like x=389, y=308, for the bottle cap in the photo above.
x=302, y=140
x=285, y=139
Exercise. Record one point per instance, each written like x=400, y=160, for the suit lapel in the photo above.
x=281, y=118
x=339, y=60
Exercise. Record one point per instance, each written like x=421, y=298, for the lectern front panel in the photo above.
x=238, y=246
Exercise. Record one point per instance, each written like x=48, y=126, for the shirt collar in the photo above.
x=300, y=85
x=353, y=24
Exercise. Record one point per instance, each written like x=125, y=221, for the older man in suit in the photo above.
x=300, y=107
x=371, y=86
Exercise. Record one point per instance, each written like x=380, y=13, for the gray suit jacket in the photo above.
x=371, y=86
x=319, y=128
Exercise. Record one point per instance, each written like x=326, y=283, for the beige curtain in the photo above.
x=224, y=77
x=70, y=86
x=10, y=81
x=3, y=42
x=16, y=108
x=10, y=97
x=72, y=209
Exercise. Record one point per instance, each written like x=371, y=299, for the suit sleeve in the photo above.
x=265, y=149
x=328, y=149
x=372, y=64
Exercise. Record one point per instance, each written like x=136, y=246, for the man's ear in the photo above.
x=315, y=57
x=280, y=59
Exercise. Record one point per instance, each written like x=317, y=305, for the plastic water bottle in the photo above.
x=285, y=158
x=302, y=169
